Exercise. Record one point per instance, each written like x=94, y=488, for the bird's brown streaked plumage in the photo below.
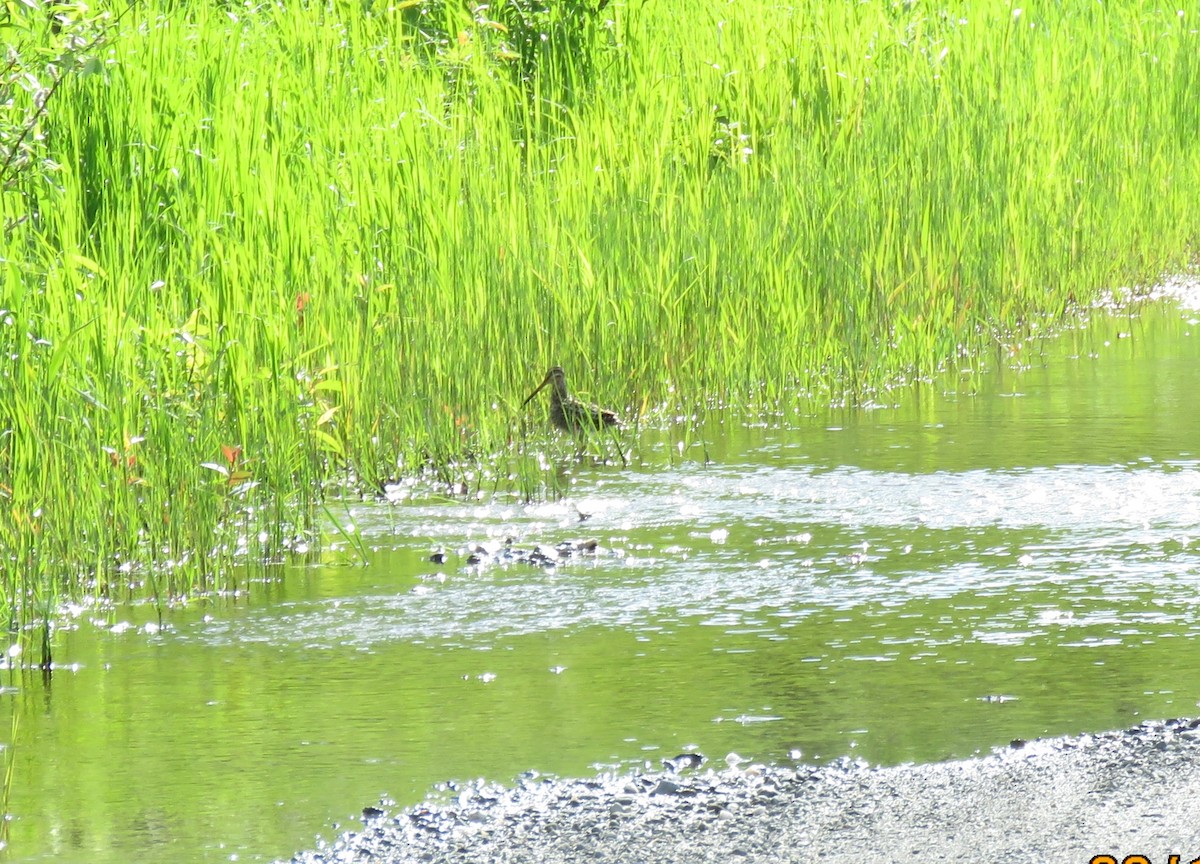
x=567, y=412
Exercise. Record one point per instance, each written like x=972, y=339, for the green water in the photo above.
x=855, y=583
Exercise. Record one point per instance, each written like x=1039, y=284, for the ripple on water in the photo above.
x=754, y=550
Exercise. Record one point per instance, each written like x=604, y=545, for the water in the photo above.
x=998, y=556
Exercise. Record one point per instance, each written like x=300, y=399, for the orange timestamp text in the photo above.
x=1138, y=859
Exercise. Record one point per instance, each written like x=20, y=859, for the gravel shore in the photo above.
x=1133, y=792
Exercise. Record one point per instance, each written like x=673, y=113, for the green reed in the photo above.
x=291, y=246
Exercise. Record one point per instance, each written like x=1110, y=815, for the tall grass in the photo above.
x=288, y=244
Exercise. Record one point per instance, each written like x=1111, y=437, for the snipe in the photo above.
x=567, y=412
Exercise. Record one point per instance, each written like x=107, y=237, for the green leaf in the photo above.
x=86, y=263
x=330, y=443
x=60, y=352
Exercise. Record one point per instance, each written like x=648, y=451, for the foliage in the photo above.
x=292, y=245
x=44, y=44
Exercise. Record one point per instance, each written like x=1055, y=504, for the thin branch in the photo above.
x=32, y=122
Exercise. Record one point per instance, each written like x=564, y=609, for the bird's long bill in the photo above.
x=549, y=377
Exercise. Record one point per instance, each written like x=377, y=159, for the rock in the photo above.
x=843, y=812
x=683, y=762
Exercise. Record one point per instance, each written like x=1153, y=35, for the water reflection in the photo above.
x=749, y=546
x=907, y=582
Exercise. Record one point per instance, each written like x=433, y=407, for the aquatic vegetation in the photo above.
x=339, y=240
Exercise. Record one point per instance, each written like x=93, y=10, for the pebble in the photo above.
x=991, y=807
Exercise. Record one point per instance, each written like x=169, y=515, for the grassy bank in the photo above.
x=290, y=244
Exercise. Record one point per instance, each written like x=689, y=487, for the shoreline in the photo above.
x=1128, y=792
